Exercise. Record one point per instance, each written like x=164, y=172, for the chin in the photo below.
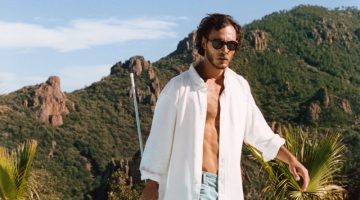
x=222, y=65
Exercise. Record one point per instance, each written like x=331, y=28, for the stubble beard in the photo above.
x=212, y=61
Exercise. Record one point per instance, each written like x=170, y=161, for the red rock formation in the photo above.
x=328, y=35
x=50, y=102
x=151, y=73
x=196, y=57
x=4, y=109
x=327, y=31
x=138, y=64
x=155, y=87
x=313, y=112
x=259, y=39
x=52, y=149
x=316, y=36
x=345, y=105
x=187, y=44
x=153, y=100
x=147, y=65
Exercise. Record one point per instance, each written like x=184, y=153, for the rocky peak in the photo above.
x=48, y=102
x=327, y=31
x=141, y=67
x=117, y=68
x=314, y=105
x=259, y=39
x=345, y=105
x=136, y=64
x=313, y=112
x=4, y=109
x=321, y=101
x=188, y=45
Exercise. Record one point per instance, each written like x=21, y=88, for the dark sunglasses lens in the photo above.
x=217, y=44
x=232, y=45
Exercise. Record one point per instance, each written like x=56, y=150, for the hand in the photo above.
x=150, y=191
x=298, y=170
x=295, y=167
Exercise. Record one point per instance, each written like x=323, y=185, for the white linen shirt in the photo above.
x=174, y=149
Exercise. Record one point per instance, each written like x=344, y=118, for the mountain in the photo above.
x=303, y=66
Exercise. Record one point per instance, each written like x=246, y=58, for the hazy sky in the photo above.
x=79, y=40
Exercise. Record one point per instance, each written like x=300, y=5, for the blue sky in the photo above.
x=79, y=40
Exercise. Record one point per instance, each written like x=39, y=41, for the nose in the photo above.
x=225, y=49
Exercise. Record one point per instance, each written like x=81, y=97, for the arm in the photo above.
x=259, y=135
x=150, y=191
x=296, y=168
x=257, y=131
x=156, y=156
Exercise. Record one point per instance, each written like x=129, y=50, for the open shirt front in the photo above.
x=174, y=149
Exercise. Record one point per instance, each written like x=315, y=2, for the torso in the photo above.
x=212, y=125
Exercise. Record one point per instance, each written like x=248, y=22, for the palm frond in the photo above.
x=15, y=171
x=7, y=181
x=24, y=156
x=323, y=159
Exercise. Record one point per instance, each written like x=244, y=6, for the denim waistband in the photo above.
x=209, y=176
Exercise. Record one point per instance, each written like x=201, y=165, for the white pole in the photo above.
x=136, y=112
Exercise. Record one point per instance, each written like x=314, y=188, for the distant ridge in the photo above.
x=303, y=66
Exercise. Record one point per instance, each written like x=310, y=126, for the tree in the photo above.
x=322, y=157
x=118, y=188
x=16, y=181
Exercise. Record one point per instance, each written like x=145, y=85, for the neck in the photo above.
x=207, y=71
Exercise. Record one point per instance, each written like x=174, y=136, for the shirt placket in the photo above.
x=202, y=95
x=222, y=145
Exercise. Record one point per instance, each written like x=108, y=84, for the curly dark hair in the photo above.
x=215, y=21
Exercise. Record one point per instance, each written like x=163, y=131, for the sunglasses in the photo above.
x=218, y=44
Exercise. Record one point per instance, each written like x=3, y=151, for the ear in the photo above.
x=203, y=42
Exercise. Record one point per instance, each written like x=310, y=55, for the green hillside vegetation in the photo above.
x=324, y=160
x=312, y=54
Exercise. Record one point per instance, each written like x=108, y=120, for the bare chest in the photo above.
x=213, y=103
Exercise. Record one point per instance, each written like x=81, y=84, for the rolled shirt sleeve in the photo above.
x=259, y=134
x=156, y=156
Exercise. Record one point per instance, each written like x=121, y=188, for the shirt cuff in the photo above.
x=148, y=175
x=274, y=147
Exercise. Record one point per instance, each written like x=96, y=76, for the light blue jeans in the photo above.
x=209, y=186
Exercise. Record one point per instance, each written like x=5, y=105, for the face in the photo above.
x=219, y=58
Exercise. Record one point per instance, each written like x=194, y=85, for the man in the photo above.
x=201, y=120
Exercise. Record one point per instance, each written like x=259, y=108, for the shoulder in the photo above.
x=238, y=80
x=173, y=86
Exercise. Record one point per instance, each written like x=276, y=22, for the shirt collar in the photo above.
x=199, y=82
x=195, y=77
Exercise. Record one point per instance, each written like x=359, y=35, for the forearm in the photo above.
x=285, y=155
x=152, y=184
x=295, y=167
x=150, y=191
